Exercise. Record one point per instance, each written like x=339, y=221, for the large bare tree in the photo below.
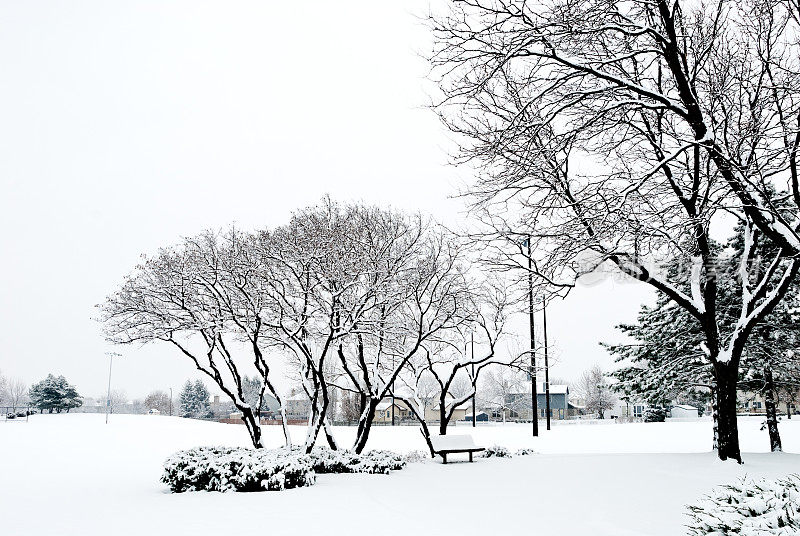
x=625, y=133
x=206, y=297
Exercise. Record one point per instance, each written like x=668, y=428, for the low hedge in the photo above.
x=244, y=469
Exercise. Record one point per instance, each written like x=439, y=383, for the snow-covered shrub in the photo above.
x=243, y=469
x=749, y=508
x=496, y=451
x=237, y=469
x=655, y=415
x=416, y=456
x=525, y=452
x=325, y=460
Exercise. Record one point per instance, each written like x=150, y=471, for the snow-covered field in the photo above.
x=73, y=475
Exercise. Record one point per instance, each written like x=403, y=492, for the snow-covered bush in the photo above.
x=525, y=452
x=416, y=456
x=243, y=469
x=325, y=460
x=655, y=415
x=237, y=469
x=496, y=451
x=749, y=508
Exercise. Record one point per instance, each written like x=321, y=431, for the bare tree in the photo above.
x=414, y=270
x=118, y=401
x=16, y=393
x=501, y=386
x=683, y=114
x=456, y=363
x=594, y=388
x=158, y=400
x=207, y=298
x=3, y=388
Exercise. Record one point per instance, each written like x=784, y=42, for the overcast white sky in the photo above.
x=126, y=125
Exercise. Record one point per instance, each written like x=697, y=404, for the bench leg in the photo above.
x=444, y=458
x=470, y=457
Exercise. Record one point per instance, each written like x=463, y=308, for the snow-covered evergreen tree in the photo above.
x=194, y=400
x=54, y=394
x=666, y=361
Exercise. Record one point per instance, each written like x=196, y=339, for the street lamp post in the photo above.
x=110, y=363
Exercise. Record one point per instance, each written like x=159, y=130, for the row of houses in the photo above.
x=512, y=406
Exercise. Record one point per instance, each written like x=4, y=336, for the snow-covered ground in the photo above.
x=73, y=475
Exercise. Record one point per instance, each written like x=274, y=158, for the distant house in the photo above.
x=432, y=413
x=520, y=403
x=684, y=411
x=481, y=417
x=383, y=412
x=298, y=405
x=632, y=409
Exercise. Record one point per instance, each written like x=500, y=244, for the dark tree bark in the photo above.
x=726, y=375
x=365, y=425
x=253, y=426
x=772, y=411
x=715, y=419
x=424, y=430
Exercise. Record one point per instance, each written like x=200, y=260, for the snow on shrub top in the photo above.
x=749, y=508
x=244, y=469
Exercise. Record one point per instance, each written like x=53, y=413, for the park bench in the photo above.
x=453, y=444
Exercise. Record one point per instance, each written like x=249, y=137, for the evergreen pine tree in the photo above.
x=666, y=361
x=202, y=400
x=54, y=394
x=187, y=400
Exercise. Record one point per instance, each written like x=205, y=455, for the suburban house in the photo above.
x=432, y=412
x=519, y=404
x=752, y=402
x=627, y=409
x=481, y=417
x=298, y=405
x=383, y=412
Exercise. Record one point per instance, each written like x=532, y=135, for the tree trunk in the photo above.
x=287, y=438
x=253, y=426
x=715, y=419
x=772, y=411
x=788, y=410
x=364, y=425
x=326, y=427
x=443, y=420
x=727, y=376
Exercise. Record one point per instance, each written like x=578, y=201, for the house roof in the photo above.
x=555, y=389
x=382, y=406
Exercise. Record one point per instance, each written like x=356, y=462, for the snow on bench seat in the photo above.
x=449, y=444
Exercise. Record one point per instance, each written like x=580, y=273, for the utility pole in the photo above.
x=170, y=401
x=534, y=406
x=546, y=364
x=110, y=363
x=392, y=393
x=474, y=386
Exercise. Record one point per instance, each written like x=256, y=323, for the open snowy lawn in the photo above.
x=73, y=475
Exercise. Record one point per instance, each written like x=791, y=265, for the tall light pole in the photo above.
x=534, y=405
x=110, y=363
x=546, y=365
